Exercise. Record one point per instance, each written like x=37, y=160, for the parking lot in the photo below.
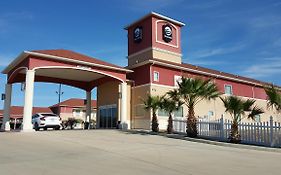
x=114, y=152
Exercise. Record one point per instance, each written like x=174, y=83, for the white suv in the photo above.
x=46, y=120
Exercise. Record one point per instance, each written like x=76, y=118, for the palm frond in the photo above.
x=273, y=98
x=255, y=111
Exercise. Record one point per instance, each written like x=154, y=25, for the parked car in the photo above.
x=45, y=121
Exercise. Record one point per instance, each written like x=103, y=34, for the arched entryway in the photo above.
x=65, y=67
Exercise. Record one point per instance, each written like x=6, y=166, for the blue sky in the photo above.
x=235, y=36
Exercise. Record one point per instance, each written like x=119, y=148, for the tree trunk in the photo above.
x=191, y=123
x=154, y=125
x=234, y=135
x=170, y=124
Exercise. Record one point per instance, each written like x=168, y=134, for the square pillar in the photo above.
x=28, y=101
x=7, y=106
x=88, y=107
x=123, y=116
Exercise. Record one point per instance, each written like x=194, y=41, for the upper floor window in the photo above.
x=228, y=89
x=156, y=76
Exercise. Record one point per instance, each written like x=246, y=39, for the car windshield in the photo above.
x=49, y=115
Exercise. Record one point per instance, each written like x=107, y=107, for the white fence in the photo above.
x=262, y=133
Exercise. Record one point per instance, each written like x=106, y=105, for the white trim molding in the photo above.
x=25, y=54
x=78, y=68
x=157, y=15
x=161, y=42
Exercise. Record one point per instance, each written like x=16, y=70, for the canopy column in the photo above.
x=28, y=101
x=123, y=116
x=88, y=107
x=7, y=106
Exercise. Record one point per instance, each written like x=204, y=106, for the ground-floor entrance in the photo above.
x=108, y=116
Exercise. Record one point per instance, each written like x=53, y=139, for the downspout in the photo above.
x=150, y=88
x=253, y=91
x=150, y=77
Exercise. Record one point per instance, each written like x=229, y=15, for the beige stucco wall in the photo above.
x=201, y=110
x=154, y=53
x=140, y=121
x=108, y=94
x=167, y=56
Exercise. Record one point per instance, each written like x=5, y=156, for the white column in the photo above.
x=123, y=116
x=88, y=107
x=28, y=101
x=7, y=105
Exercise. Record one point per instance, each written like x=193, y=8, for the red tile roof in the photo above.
x=17, y=111
x=75, y=102
x=75, y=56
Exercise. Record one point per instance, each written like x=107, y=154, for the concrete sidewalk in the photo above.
x=206, y=141
x=115, y=152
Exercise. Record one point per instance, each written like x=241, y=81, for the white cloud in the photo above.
x=151, y=4
x=277, y=43
x=205, y=4
x=265, y=21
x=266, y=68
x=216, y=51
x=8, y=20
x=5, y=60
x=204, y=62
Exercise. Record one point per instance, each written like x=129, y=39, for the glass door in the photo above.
x=108, y=116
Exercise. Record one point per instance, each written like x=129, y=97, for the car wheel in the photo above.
x=57, y=128
x=36, y=127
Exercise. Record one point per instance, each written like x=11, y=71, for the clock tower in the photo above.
x=154, y=37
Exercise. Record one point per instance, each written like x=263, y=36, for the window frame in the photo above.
x=231, y=89
x=158, y=75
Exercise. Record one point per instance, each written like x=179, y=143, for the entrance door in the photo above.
x=108, y=116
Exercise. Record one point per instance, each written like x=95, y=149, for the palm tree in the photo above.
x=192, y=92
x=153, y=103
x=273, y=102
x=170, y=105
x=238, y=110
x=273, y=98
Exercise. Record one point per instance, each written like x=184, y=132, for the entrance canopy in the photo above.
x=59, y=66
x=64, y=66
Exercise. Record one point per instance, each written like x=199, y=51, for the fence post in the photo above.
x=222, y=128
x=271, y=131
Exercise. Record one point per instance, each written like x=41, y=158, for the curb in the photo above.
x=204, y=141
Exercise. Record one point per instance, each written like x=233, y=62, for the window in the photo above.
x=162, y=113
x=76, y=112
x=211, y=113
x=179, y=113
x=228, y=89
x=257, y=118
x=156, y=76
